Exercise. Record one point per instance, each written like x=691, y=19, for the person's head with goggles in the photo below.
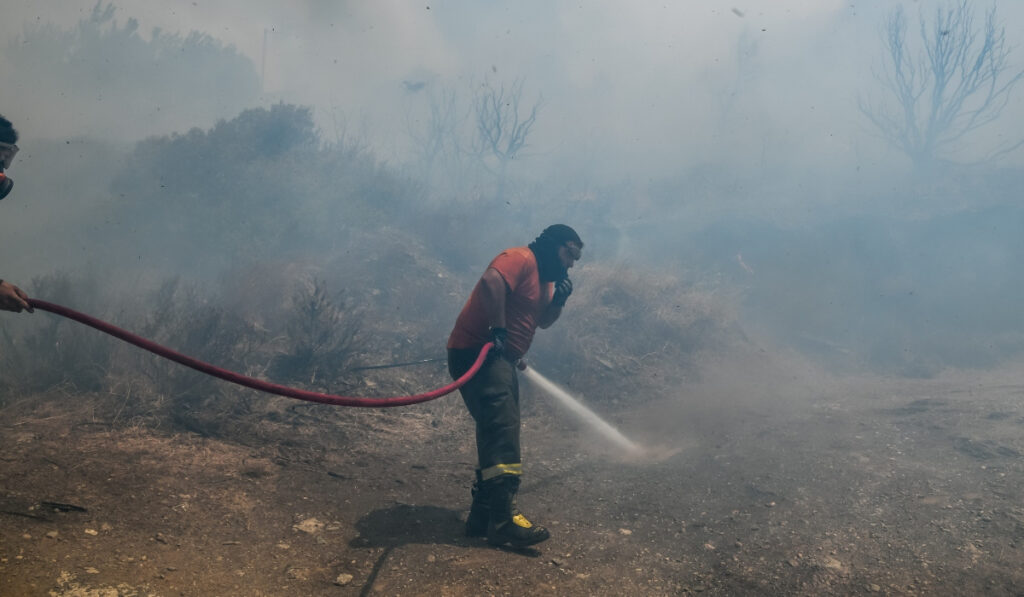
x=8, y=149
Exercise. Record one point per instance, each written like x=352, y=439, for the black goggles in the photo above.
x=7, y=153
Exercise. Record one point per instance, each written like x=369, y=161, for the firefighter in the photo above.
x=522, y=289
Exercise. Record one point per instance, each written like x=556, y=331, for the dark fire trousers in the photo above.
x=492, y=397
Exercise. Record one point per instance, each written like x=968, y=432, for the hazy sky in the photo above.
x=650, y=85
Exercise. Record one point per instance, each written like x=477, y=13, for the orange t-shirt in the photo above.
x=525, y=301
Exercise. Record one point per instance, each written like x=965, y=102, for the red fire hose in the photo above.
x=251, y=382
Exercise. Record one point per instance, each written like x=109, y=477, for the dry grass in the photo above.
x=623, y=328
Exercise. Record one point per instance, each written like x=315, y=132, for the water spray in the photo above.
x=579, y=409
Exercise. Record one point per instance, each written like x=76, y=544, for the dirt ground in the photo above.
x=801, y=484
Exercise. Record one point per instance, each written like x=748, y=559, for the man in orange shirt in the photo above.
x=12, y=298
x=522, y=289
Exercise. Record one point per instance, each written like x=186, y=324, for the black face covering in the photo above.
x=545, y=249
x=549, y=267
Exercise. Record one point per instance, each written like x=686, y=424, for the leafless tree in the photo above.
x=502, y=130
x=436, y=137
x=956, y=81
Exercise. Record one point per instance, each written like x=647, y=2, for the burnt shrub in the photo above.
x=42, y=352
x=181, y=319
x=321, y=340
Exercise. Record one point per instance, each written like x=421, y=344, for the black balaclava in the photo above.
x=545, y=249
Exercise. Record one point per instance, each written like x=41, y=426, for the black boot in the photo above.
x=506, y=523
x=480, y=511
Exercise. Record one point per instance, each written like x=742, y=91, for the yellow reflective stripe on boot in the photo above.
x=520, y=521
x=501, y=469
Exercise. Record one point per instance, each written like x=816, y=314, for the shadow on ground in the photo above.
x=403, y=524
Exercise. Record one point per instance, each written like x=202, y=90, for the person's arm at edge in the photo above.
x=13, y=298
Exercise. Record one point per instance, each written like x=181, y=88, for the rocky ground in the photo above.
x=791, y=483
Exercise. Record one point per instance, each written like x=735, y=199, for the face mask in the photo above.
x=7, y=153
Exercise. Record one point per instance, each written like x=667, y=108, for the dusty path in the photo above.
x=891, y=487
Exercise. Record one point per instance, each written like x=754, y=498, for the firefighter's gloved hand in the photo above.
x=563, y=288
x=499, y=336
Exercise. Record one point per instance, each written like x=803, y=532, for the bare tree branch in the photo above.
x=958, y=81
x=502, y=131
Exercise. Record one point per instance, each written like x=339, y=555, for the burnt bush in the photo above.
x=181, y=318
x=322, y=337
x=263, y=185
x=42, y=351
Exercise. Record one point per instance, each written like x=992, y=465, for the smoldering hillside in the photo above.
x=258, y=246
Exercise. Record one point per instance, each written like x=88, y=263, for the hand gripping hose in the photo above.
x=258, y=384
